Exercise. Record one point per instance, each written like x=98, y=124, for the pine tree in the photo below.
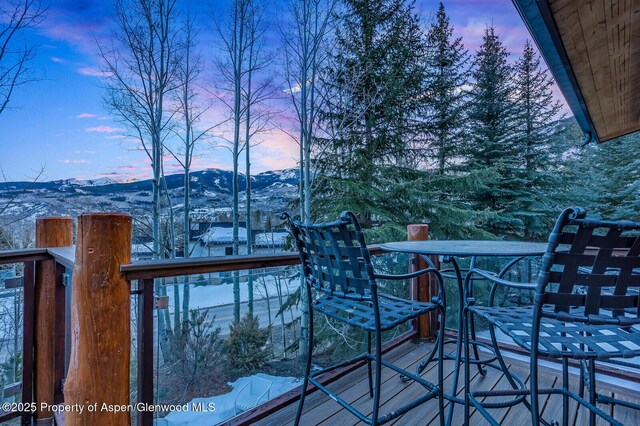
x=374, y=81
x=492, y=128
x=446, y=101
x=617, y=163
x=538, y=112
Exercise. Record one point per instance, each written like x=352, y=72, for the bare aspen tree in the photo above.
x=142, y=74
x=190, y=110
x=305, y=54
x=142, y=63
x=257, y=90
x=231, y=68
x=16, y=54
x=241, y=59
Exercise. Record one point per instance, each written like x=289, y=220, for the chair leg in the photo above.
x=592, y=390
x=582, y=379
x=472, y=326
x=440, y=344
x=467, y=361
x=307, y=370
x=565, y=385
x=456, y=370
x=533, y=380
x=377, y=390
x=369, y=364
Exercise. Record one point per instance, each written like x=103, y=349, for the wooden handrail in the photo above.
x=167, y=267
x=23, y=255
x=201, y=265
x=65, y=256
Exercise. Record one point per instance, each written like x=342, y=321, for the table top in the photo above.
x=467, y=248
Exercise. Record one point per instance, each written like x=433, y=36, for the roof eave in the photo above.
x=538, y=18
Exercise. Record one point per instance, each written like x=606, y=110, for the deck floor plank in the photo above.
x=350, y=387
x=319, y=409
x=626, y=415
x=391, y=385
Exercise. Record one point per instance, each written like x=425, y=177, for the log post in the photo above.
x=50, y=232
x=100, y=321
x=422, y=288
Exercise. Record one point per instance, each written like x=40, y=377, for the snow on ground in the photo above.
x=224, y=404
x=216, y=235
x=215, y=295
x=142, y=249
x=271, y=239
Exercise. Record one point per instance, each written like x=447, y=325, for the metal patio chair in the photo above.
x=341, y=284
x=585, y=307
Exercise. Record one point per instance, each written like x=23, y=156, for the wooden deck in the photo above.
x=319, y=409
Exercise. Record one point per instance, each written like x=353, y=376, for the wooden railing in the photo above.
x=28, y=258
x=146, y=271
x=34, y=262
x=46, y=370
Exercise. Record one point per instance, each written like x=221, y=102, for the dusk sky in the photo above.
x=60, y=122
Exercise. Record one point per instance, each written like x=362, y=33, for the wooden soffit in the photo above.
x=592, y=47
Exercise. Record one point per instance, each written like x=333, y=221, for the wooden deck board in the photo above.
x=348, y=387
x=320, y=409
x=391, y=385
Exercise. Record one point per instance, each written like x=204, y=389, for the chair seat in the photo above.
x=563, y=339
x=247, y=402
x=393, y=310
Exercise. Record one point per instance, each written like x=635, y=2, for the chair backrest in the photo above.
x=259, y=386
x=588, y=271
x=335, y=257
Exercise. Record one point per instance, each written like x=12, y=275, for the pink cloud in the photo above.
x=86, y=115
x=115, y=136
x=103, y=129
x=57, y=60
x=278, y=152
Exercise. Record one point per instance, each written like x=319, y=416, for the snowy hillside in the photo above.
x=272, y=192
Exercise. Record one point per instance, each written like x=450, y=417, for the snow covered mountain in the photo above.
x=272, y=191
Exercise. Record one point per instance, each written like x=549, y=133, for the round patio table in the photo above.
x=450, y=250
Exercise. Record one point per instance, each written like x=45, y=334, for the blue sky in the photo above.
x=60, y=123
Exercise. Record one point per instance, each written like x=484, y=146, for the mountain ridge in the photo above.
x=211, y=194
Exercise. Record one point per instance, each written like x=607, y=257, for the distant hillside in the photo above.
x=210, y=193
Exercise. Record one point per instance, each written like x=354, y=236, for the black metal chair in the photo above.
x=337, y=267
x=585, y=307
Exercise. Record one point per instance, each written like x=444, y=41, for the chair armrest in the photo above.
x=235, y=401
x=493, y=277
x=265, y=393
x=406, y=276
x=439, y=299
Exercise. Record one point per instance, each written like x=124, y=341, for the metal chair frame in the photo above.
x=585, y=307
x=337, y=265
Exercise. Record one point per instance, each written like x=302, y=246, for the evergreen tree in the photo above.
x=492, y=143
x=374, y=81
x=616, y=164
x=446, y=101
x=537, y=201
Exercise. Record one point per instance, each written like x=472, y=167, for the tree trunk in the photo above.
x=248, y=178
x=187, y=231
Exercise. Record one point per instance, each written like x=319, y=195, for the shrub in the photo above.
x=196, y=348
x=246, y=348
